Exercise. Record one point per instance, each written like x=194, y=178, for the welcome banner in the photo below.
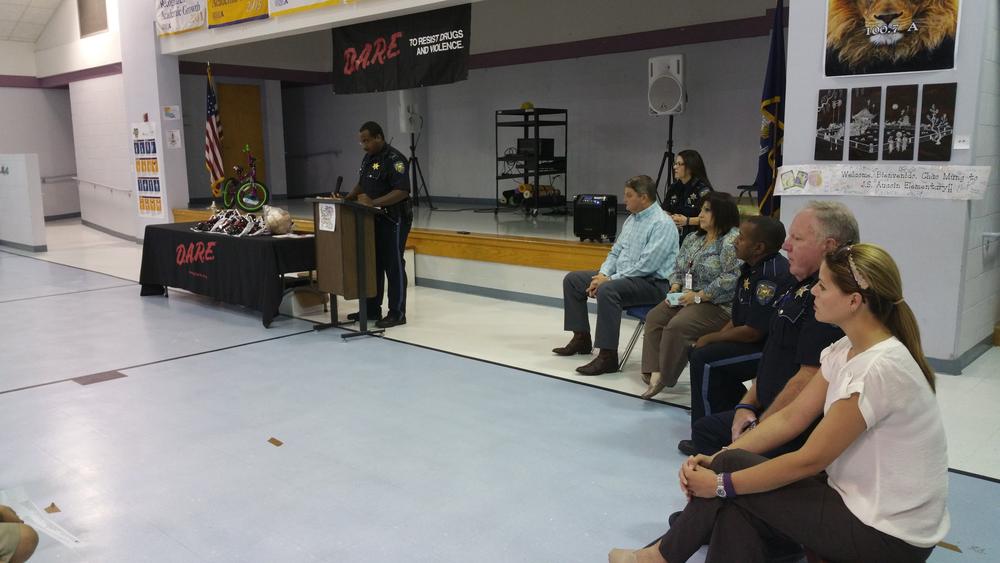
x=405, y=52
x=229, y=12
x=177, y=16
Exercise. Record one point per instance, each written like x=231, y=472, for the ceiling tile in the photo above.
x=10, y=12
x=6, y=27
x=37, y=15
x=16, y=2
x=26, y=31
x=51, y=4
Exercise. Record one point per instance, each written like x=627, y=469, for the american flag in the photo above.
x=213, y=138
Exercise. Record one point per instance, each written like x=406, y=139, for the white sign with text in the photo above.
x=884, y=180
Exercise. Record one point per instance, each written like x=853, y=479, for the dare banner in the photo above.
x=405, y=52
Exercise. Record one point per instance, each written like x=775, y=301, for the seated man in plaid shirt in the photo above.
x=634, y=273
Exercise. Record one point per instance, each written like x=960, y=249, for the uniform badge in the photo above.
x=400, y=167
x=746, y=283
x=766, y=291
x=801, y=291
x=374, y=166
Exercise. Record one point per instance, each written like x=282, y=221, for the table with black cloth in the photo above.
x=239, y=270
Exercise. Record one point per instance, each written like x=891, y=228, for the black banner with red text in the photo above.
x=406, y=52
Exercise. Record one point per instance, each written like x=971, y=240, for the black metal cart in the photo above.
x=533, y=156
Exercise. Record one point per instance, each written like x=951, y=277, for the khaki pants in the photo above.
x=670, y=332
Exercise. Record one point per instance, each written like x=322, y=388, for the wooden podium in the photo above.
x=345, y=256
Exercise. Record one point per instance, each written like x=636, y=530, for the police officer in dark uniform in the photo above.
x=795, y=338
x=384, y=182
x=721, y=361
x=684, y=196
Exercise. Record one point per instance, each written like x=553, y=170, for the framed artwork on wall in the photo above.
x=866, y=106
x=937, y=120
x=831, y=113
x=900, y=125
x=888, y=36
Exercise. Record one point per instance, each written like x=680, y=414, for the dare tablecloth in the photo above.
x=239, y=270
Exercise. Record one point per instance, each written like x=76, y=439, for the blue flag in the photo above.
x=772, y=118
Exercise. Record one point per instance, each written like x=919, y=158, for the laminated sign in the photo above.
x=229, y=12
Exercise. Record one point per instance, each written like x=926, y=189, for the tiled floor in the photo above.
x=412, y=454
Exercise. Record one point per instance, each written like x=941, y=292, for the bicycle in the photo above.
x=245, y=191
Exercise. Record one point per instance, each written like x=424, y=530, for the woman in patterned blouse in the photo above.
x=705, y=274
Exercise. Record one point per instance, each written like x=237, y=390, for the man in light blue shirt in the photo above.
x=634, y=273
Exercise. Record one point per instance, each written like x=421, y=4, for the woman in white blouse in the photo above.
x=871, y=483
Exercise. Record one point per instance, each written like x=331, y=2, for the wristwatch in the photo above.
x=697, y=298
x=720, y=487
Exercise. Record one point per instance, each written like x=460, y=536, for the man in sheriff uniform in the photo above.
x=384, y=182
x=721, y=361
x=795, y=338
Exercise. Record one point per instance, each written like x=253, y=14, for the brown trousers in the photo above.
x=670, y=332
x=808, y=512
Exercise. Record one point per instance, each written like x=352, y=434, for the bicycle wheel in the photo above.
x=252, y=196
x=229, y=189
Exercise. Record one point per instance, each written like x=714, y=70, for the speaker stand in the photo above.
x=667, y=155
x=416, y=173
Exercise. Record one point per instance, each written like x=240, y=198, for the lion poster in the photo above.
x=886, y=36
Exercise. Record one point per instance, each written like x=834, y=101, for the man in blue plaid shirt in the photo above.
x=634, y=273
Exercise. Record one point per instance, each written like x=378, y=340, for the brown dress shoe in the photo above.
x=605, y=362
x=579, y=344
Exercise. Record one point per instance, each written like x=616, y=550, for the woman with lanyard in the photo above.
x=871, y=483
x=690, y=187
x=705, y=278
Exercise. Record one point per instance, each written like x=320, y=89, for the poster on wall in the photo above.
x=178, y=16
x=937, y=119
x=148, y=179
x=866, y=106
x=231, y=12
x=405, y=52
x=899, y=128
x=880, y=37
x=831, y=113
x=885, y=180
x=285, y=7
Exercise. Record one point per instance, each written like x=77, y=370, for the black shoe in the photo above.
x=353, y=317
x=605, y=362
x=686, y=447
x=391, y=320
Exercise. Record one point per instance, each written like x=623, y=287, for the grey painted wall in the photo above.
x=928, y=238
x=981, y=288
x=611, y=135
x=41, y=124
x=103, y=154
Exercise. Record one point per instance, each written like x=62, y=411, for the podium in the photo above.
x=345, y=256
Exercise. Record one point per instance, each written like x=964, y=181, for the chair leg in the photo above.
x=631, y=344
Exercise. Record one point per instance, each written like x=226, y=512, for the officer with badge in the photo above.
x=683, y=199
x=795, y=338
x=384, y=183
x=721, y=361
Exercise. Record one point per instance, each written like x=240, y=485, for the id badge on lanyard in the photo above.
x=688, y=281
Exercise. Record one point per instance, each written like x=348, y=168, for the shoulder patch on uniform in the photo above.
x=766, y=290
x=400, y=167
